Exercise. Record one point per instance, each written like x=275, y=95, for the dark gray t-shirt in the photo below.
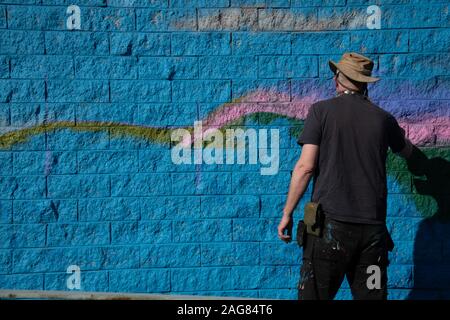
x=354, y=136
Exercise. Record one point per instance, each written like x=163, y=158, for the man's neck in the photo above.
x=350, y=92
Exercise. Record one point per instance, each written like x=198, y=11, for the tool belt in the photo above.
x=312, y=222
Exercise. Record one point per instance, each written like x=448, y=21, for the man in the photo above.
x=344, y=145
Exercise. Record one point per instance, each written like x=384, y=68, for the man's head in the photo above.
x=343, y=83
x=352, y=72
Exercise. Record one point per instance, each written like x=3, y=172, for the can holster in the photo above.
x=312, y=222
x=314, y=218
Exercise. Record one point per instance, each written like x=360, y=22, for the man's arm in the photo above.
x=303, y=171
x=398, y=142
x=407, y=149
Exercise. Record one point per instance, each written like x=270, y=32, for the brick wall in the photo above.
x=86, y=172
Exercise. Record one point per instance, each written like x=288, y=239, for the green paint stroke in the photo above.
x=160, y=135
x=425, y=180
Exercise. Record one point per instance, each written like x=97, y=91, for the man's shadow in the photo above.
x=431, y=256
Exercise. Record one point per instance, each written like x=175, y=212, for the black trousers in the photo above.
x=356, y=251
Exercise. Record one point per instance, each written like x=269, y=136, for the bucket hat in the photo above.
x=355, y=67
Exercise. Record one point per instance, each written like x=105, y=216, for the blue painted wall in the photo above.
x=115, y=204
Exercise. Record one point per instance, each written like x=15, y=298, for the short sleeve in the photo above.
x=396, y=135
x=312, y=128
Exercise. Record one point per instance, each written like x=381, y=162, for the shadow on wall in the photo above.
x=431, y=272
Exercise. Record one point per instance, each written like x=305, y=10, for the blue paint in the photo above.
x=134, y=222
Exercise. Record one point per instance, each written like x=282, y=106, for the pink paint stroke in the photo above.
x=429, y=124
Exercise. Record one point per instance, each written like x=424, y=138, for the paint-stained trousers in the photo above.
x=356, y=251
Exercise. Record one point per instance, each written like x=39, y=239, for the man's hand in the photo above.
x=285, y=225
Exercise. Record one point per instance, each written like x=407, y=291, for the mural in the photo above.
x=86, y=118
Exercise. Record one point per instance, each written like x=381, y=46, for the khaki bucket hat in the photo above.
x=355, y=67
